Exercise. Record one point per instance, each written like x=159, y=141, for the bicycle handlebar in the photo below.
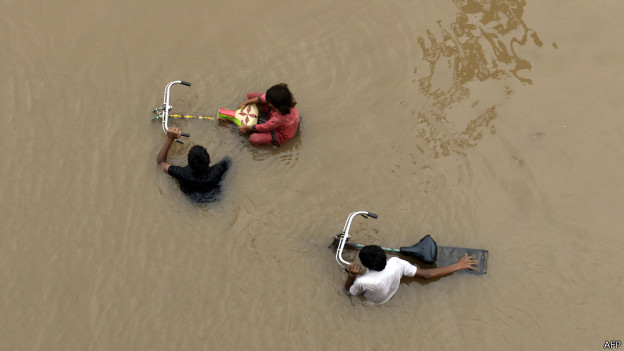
x=345, y=235
x=167, y=107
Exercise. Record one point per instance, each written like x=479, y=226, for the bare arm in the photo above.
x=161, y=158
x=465, y=262
x=249, y=102
x=354, y=270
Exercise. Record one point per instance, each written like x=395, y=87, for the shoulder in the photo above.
x=226, y=160
x=280, y=118
x=178, y=172
x=294, y=114
x=172, y=170
x=225, y=163
x=396, y=260
x=406, y=267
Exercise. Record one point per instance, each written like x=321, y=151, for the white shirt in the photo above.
x=379, y=286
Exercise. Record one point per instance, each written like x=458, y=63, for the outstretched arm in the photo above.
x=465, y=262
x=161, y=159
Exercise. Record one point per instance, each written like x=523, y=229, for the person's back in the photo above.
x=382, y=278
x=286, y=124
x=200, y=181
x=379, y=286
x=201, y=186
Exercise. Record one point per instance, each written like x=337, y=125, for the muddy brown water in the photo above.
x=491, y=124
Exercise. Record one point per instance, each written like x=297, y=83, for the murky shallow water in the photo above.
x=492, y=126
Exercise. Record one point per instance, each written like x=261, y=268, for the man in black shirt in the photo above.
x=200, y=181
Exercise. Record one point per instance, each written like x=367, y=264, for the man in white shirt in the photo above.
x=382, y=278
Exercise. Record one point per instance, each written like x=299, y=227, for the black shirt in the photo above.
x=201, y=187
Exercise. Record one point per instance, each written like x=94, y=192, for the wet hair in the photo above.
x=280, y=97
x=198, y=159
x=373, y=257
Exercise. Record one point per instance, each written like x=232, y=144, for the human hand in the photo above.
x=467, y=262
x=355, y=269
x=244, y=128
x=174, y=133
x=242, y=105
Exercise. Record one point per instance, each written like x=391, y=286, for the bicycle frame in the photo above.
x=344, y=236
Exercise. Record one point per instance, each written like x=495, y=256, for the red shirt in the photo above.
x=285, y=126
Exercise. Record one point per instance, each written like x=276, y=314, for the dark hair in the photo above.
x=280, y=97
x=373, y=257
x=198, y=159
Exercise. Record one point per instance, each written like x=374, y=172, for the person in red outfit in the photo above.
x=283, y=118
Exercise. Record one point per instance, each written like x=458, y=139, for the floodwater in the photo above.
x=486, y=124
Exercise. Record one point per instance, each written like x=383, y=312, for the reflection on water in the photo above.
x=477, y=46
x=480, y=43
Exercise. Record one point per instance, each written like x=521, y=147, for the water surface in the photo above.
x=493, y=125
